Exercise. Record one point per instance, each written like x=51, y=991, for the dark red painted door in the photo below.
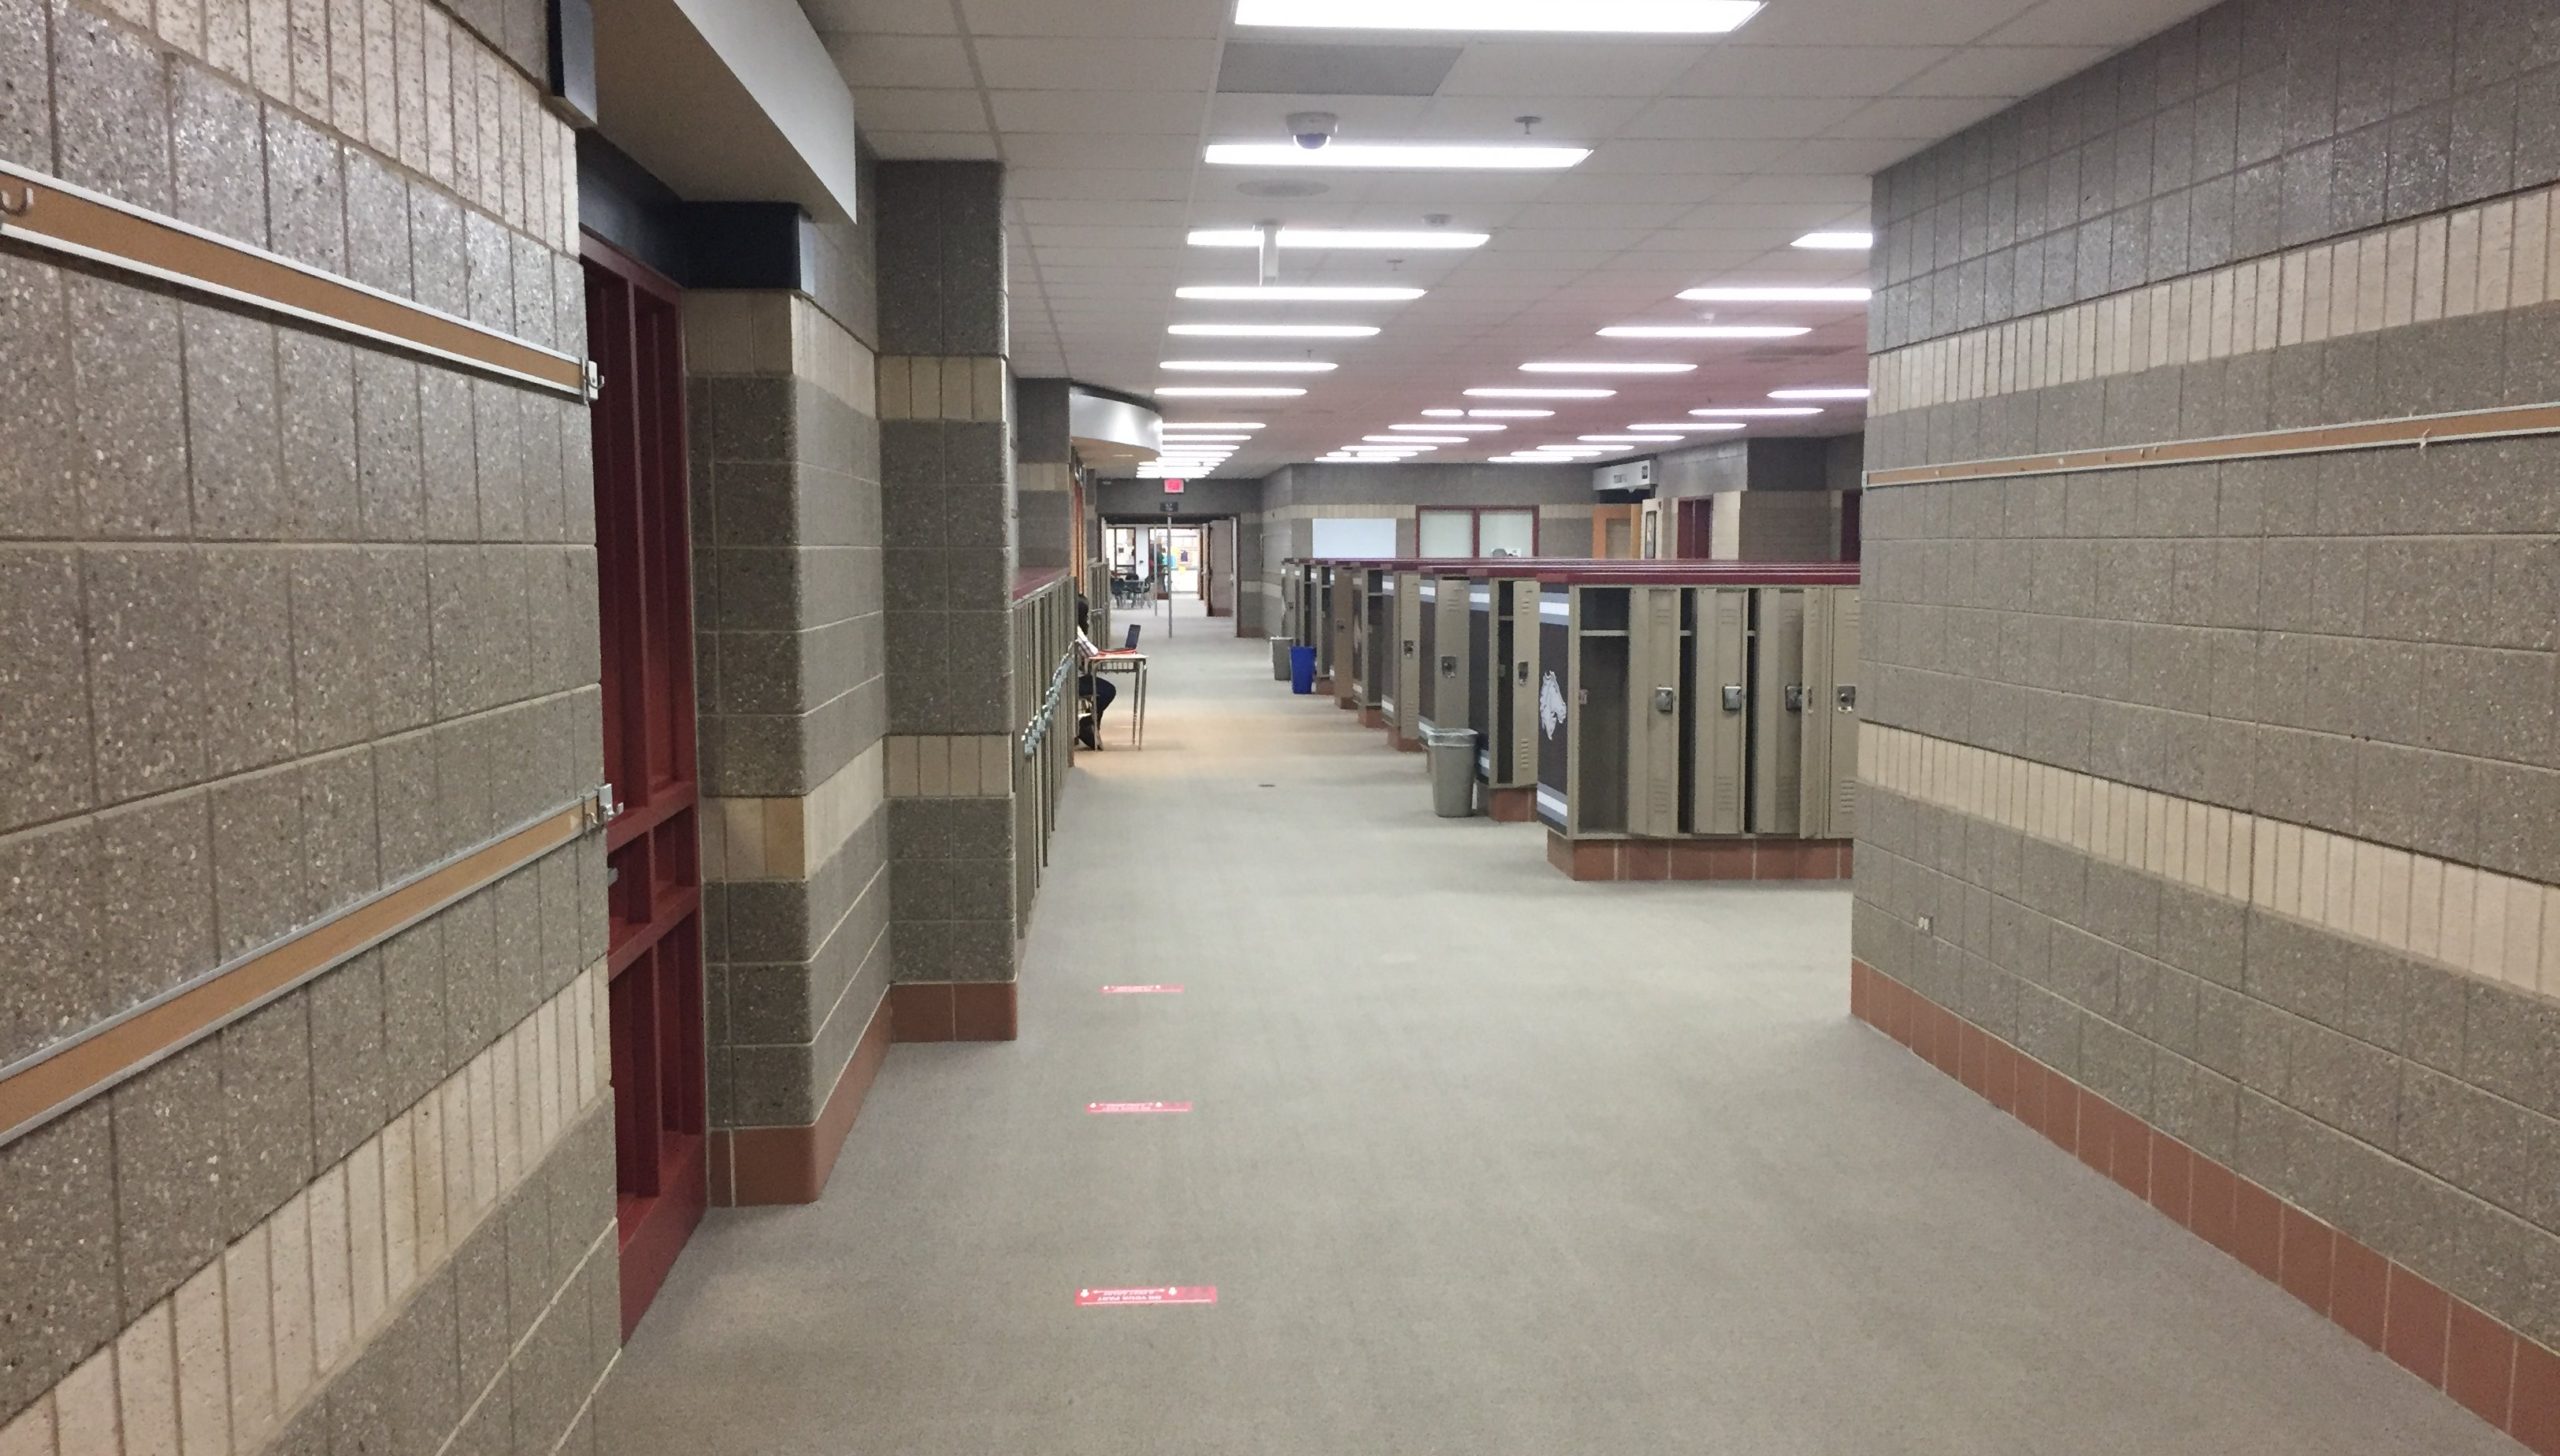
x=644, y=572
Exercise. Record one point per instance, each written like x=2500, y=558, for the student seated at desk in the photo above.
x=1089, y=684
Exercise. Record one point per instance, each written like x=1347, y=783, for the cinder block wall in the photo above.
x=2230, y=792
x=284, y=619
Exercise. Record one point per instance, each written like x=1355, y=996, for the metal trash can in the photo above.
x=1280, y=659
x=1453, y=771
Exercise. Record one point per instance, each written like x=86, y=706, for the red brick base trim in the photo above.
x=1511, y=806
x=2501, y=1376
x=755, y=1166
x=955, y=1010
x=1697, y=859
x=1402, y=743
x=1373, y=717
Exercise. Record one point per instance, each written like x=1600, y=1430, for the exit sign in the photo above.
x=1172, y=487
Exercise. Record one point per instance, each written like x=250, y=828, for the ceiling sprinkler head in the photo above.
x=1528, y=124
x=1435, y=219
x=1312, y=129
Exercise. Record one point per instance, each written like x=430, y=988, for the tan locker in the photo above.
x=1449, y=668
x=1406, y=709
x=1777, y=713
x=1653, y=711
x=1523, y=687
x=1720, y=701
x=1828, y=792
x=1343, y=664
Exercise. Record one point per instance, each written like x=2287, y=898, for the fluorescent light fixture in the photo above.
x=1398, y=156
x=1702, y=331
x=1502, y=393
x=1839, y=242
x=1691, y=427
x=1844, y=391
x=1592, y=17
x=1508, y=414
x=1273, y=331
x=1248, y=366
x=1390, y=239
x=1629, y=439
x=1757, y=412
x=1444, y=414
x=1226, y=391
x=1213, y=425
x=1457, y=429
x=1562, y=452
x=1294, y=293
x=1417, y=439
x=1589, y=366
x=1777, y=295
x=1173, y=440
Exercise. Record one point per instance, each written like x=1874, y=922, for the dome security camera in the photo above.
x=1312, y=129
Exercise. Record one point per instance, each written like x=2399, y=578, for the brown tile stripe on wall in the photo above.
x=1699, y=859
x=51, y=214
x=756, y=1166
x=2506, y=1379
x=59, y=1080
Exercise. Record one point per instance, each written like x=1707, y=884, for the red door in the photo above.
x=644, y=572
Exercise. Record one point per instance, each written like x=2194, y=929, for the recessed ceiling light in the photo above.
x=1398, y=156
x=1444, y=414
x=1839, y=242
x=1226, y=391
x=1417, y=439
x=1844, y=391
x=1273, y=331
x=1214, y=425
x=1462, y=429
x=1569, y=452
x=1691, y=426
x=1586, y=366
x=1777, y=295
x=1491, y=392
x=1702, y=331
x=1248, y=366
x=1756, y=412
x=1388, y=238
x=1592, y=17
x=1629, y=439
x=1294, y=293
x=1507, y=414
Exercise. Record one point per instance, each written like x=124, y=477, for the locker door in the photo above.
x=1720, y=707
x=1830, y=791
x=1449, y=661
x=1408, y=668
x=1777, y=713
x=1524, y=683
x=1653, y=712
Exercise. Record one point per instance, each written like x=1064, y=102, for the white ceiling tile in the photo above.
x=1567, y=119
x=1868, y=22
x=890, y=108
x=2002, y=70
x=1500, y=69
x=1807, y=70
x=1027, y=180
x=1115, y=151
x=1088, y=113
x=1141, y=19
x=1091, y=211
x=933, y=146
x=1919, y=118
x=890, y=17
x=1647, y=157
x=1719, y=118
x=919, y=61
x=1265, y=118
x=1851, y=154
x=1836, y=188
x=1056, y=63
x=2107, y=23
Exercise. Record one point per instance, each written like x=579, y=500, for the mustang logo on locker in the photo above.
x=1550, y=705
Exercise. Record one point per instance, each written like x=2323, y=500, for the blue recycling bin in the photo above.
x=1302, y=670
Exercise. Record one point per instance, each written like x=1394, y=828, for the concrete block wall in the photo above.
x=791, y=662
x=949, y=523
x=2230, y=790
x=290, y=618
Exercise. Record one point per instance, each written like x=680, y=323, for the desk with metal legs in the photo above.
x=1131, y=665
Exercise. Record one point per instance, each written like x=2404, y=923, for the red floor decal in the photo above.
x=1137, y=1107
x=1175, y=1294
x=1142, y=990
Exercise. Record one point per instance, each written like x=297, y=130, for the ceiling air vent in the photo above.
x=1276, y=68
x=1625, y=475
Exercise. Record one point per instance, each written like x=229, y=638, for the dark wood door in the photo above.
x=644, y=572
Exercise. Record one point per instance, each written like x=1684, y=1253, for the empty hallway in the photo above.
x=1478, y=1160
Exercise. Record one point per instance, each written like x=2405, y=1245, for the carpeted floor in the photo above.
x=1481, y=1161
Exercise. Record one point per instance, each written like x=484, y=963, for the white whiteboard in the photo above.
x=1355, y=536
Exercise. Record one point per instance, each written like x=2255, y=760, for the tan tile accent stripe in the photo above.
x=65, y=219
x=786, y=838
x=921, y=387
x=2489, y=925
x=225, y=1361
x=966, y=767
x=770, y=333
x=2413, y=431
x=2484, y=259
x=62, y=1077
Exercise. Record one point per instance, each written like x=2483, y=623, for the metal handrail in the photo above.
x=1037, y=730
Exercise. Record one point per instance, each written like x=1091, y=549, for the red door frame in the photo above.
x=644, y=572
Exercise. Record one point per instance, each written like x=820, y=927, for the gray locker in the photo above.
x=1653, y=710
x=1777, y=713
x=1521, y=607
x=1828, y=793
x=1719, y=703
x=1404, y=709
x=1449, y=667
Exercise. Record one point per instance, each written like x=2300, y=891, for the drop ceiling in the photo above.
x=1711, y=155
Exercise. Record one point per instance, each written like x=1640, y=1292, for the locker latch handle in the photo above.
x=1448, y=665
x=1848, y=700
x=1733, y=697
x=1520, y=672
x=1408, y=649
x=1795, y=697
x=1666, y=700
